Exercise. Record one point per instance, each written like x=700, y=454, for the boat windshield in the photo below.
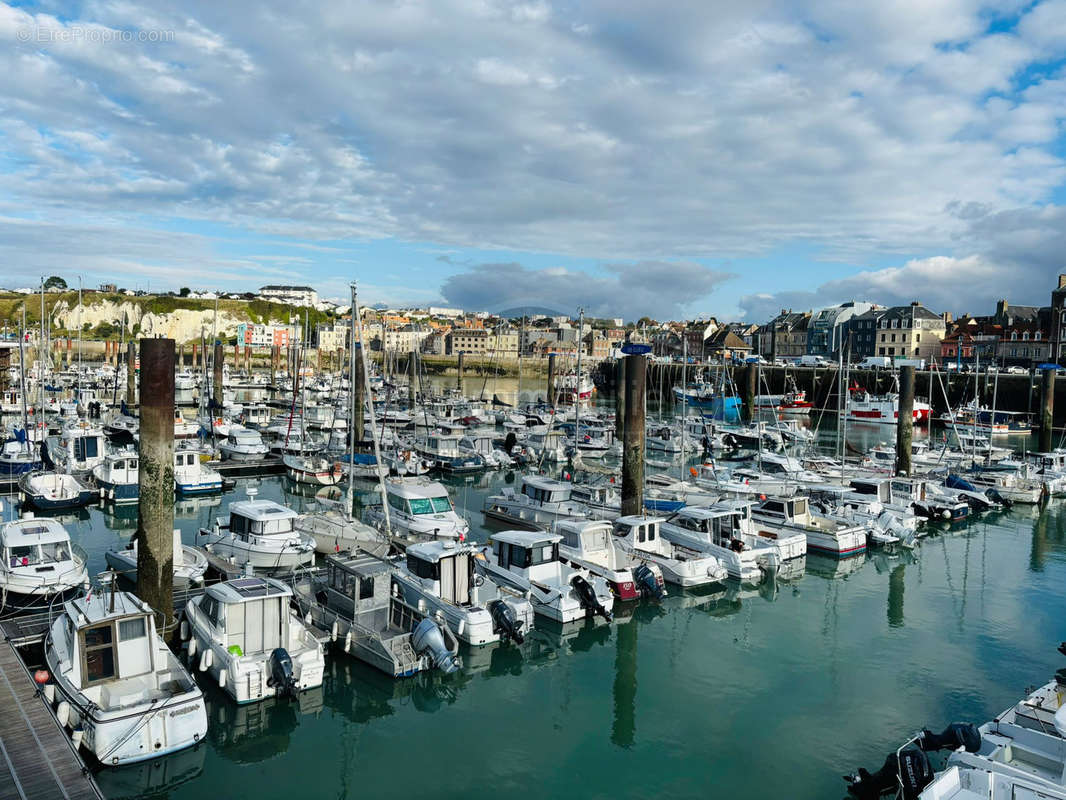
x=430, y=505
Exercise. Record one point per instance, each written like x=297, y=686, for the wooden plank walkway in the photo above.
x=37, y=759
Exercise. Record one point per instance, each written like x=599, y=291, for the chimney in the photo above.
x=1001, y=306
x=948, y=318
x=1062, y=281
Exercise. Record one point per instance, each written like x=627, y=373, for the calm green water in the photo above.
x=768, y=693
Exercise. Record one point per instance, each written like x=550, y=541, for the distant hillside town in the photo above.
x=283, y=316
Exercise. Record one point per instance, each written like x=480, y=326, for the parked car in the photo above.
x=1017, y=371
x=875, y=362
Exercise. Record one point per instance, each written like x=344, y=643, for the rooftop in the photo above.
x=241, y=590
x=526, y=538
x=36, y=530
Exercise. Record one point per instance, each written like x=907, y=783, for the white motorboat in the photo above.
x=419, y=509
x=118, y=478
x=717, y=532
x=333, y=532
x=641, y=538
x=777, y=517
x=355, y=601
x=189, y=563
x=243, y=444
x=78, y=448
x=439, y=577
x=261, y=534
x=590, y=545
x=125, y=696
x=529, y=562
x=52, y=491
x=244, y=633
x=192, y=476
x=39, y=562
x=313, y=470
x=541, y=502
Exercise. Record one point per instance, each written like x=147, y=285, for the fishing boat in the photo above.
x=18, y=456
x=540, y=502
x=862, y=406
x=123, y=429
x=440, y=578
x=184, y=429
x=313, y=470
x=189, y=563
x=53, y=491
x=243, y=444
x=39, y=562
x=717, y=532
x=245, y=634
x=641, y=538
x=184, y=381
x=446, y=453
x=118, y=478
x=589, y=545
x=419, y=509
x=778, y=517
x=261, y=534
x=570, y=388
x=355, y=602
x=119, y=688
x=529, y=562
x=78, y=448
x=192, y=476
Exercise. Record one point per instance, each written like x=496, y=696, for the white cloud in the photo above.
x=610, y=130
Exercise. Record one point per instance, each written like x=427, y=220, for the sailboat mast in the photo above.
x=22, y=372
x=351, y=416
x=684, y=398
x=373, y=420
x=577, y=389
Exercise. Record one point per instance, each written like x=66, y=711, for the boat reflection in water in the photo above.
x=155, y=778
x=255, y=732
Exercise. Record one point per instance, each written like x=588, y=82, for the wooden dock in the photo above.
x=37, y=759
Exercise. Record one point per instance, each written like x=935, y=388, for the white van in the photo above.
x=875, y=362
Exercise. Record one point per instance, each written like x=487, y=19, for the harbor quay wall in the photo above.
x=1007, y=392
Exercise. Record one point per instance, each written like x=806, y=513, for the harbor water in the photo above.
x=766, y=692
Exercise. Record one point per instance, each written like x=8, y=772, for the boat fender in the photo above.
x=49, y=693
x=206, y=659
x=184, y=630
x=222, y=674
x=333, y=631
x=192, y=649
x=76, y=737
x=348, y=641
x=63, y=713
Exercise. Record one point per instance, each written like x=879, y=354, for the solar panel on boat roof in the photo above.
x=251, y=587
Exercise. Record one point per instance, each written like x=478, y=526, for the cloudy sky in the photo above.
x=630, y=157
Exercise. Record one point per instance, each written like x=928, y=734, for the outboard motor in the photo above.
x=586, y=595
x=648, y=582
x=912, y=769
x=281, y=673
x=994, y=494
x=954, y=736
x=427, y=638
x=506, y=622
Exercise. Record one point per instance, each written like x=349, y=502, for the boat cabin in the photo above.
x=249, y=615
x=123, y=467
x=527, y=552
x=256, y=415
x=545, y=490
x=908, y=490
x=111, y=639
x=249, y=519
x=791, y=510
x=443, y=444
x=718, y=526
x=37, y=544
x=183, y=459
x=446, y=570
x=422, y=498
x=588, y=540
x=641, y=533
x=879, y=489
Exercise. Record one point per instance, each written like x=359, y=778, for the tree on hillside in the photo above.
x=55, y=282
x=184, y=291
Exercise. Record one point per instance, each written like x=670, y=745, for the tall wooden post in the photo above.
x=905, y=421
x=633, y=435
